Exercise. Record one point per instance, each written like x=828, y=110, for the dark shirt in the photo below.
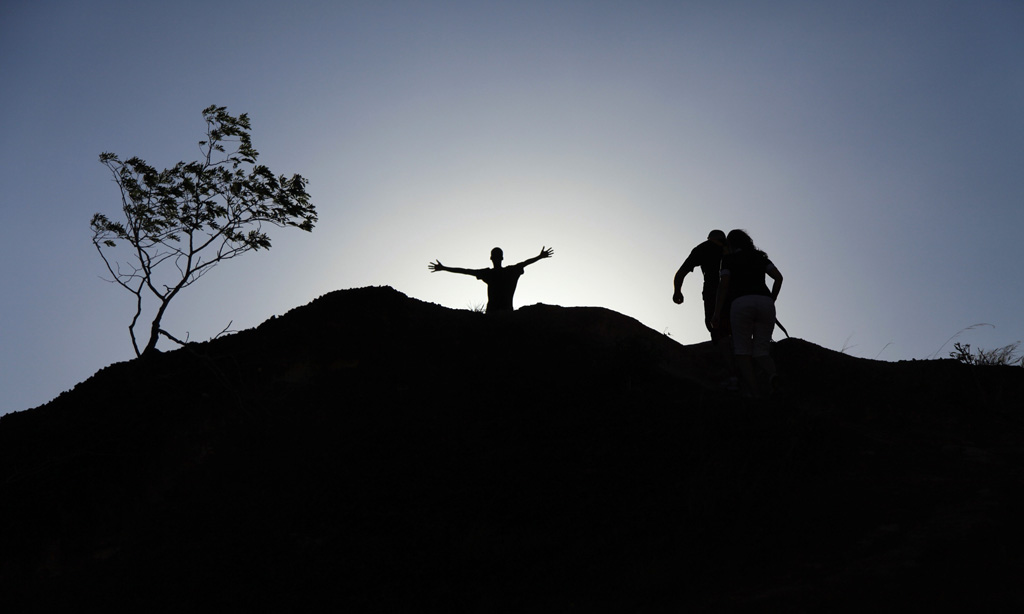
x=501, y=285
x=746, y=271
x=708, y=256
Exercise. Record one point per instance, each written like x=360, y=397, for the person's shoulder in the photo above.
x=709, y=246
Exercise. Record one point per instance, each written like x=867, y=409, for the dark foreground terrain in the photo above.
x=375, y=452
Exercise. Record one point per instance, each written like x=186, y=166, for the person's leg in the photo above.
x=764, y=326
x=721, y=338
x=745, y=367
x=742, y=320
x=709, y=310
x=766, y=364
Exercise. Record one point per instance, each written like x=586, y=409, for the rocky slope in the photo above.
x=375, y=452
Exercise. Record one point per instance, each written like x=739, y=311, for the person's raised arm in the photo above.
x=437, y=266
x=545, y=252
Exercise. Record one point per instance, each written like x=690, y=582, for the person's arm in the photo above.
x=677, y=284
x=723, y=294
x=437, y=266
x=776, y=276
x=687, y=267
x=545, y=252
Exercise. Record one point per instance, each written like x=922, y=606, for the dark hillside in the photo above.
x=373, y=451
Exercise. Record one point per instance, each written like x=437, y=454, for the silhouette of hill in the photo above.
x=372, y=451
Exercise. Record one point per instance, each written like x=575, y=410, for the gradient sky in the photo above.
x=874, y=149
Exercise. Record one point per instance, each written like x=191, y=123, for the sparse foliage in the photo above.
x=1006, y=355
x=182, y=221
x=958, y=333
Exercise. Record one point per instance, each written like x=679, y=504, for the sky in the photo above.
x=873, y=149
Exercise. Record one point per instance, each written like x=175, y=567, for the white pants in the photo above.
x=753, y=322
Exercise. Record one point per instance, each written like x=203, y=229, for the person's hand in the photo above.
x=546, y=252
x=435, y=266
x=677, y=298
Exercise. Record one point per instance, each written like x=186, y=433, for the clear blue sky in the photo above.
x=873, y=148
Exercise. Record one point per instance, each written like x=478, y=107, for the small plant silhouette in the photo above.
x=1006, y=355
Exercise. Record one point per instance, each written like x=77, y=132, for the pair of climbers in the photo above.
x=737, y=302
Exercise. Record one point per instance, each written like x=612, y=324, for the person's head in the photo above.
x=739, y=239
x=717, y=237
x=497, y=256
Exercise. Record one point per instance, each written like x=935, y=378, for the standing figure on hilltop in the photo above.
x=501, y=281
x=708, y=256
x=752, y=313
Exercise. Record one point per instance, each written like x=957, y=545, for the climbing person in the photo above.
x=752, y=310
x=708, y=256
